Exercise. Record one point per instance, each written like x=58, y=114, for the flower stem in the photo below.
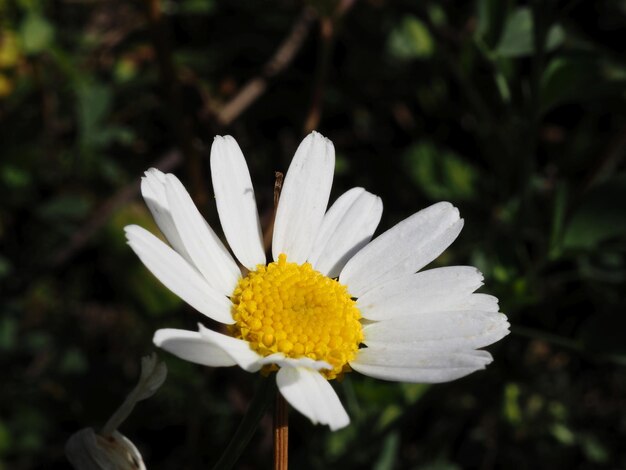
x=281, y=433
x=248, y=425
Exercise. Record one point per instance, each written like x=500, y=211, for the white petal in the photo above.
x=193, y=347
x=403, y=249
x=435, y=290
x=450, y=330
x=422, y=358
x=418, y=365
x=304, y=198
x=347, y=227
x=207, y=251
x=235, y=200
x=283, y=361
x=483, y=302
x=238, y=349
x=311, y=394
x=177, y=275
x=153, y=192
x=208, y=348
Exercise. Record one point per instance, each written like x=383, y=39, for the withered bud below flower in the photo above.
x=87, y=450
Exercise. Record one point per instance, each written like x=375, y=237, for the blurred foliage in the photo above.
x=514, y=111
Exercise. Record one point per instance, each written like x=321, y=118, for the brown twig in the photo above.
x=180, y=122
x=104, y=212
x=328, y=29
x=327, y=34
x=269, y=231
x=281, y=433
x=277, y=63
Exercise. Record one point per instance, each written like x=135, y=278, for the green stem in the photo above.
x=262, y=398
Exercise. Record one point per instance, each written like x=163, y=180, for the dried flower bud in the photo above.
x=87, y=450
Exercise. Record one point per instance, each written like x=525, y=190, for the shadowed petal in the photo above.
x=311, y=394
x=177, y=275
x=304, y=198
x=236, y=204
x=347, y=227
x=207, y=251
x=403, y=249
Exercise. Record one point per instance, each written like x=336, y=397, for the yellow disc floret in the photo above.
x=295, y=310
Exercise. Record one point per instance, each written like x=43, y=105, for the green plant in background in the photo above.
x=514, y=111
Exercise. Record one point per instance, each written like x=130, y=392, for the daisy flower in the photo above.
x=330, y=300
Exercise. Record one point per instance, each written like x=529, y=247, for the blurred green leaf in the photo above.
x=14, y=178
x=37, y=341
x=5, y=267
x=594, y=449
x=387, y=458
x=413, y=392
x=440, y=174
x=197, y=7
x=30, y=427
x=564, y=78
x=338, y=442
x=440, y=464
x=5, y=438
x=512, y=410
x=73, y=361
x=36, y=33
x=563, y=434
x=73, y=207
x=601, y=216
x=557, y=410
x=94, y=105
x=411, y=40
x=490, y=18
x=154, y=298
x=518, y=39
x=8, y=333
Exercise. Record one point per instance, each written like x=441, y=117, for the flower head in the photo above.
x=331, y=300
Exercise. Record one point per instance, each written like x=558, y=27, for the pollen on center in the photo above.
x=293, y=309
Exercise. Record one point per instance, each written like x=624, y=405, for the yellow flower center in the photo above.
x=295, y=310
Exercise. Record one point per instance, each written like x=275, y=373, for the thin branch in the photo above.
x=327, y=34
x=328, y=29
x=278, y=62
x=102, y=215
x=180, y=122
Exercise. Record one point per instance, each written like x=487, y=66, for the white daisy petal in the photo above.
x=209, y=254
x=304, y=198
x=454, y=330
x=421, y=358
x=236, y=205
x=438, y=289
x=153, y=192
x=208, y=348
x=418, y=365
x=483, y=302
x=239, y=350
x=281, y=360
x=403, y=249
x=312, y=395
x=177, y=275
x=347, y=227
x=193, y=347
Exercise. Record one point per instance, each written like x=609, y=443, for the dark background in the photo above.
x=513, y=111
